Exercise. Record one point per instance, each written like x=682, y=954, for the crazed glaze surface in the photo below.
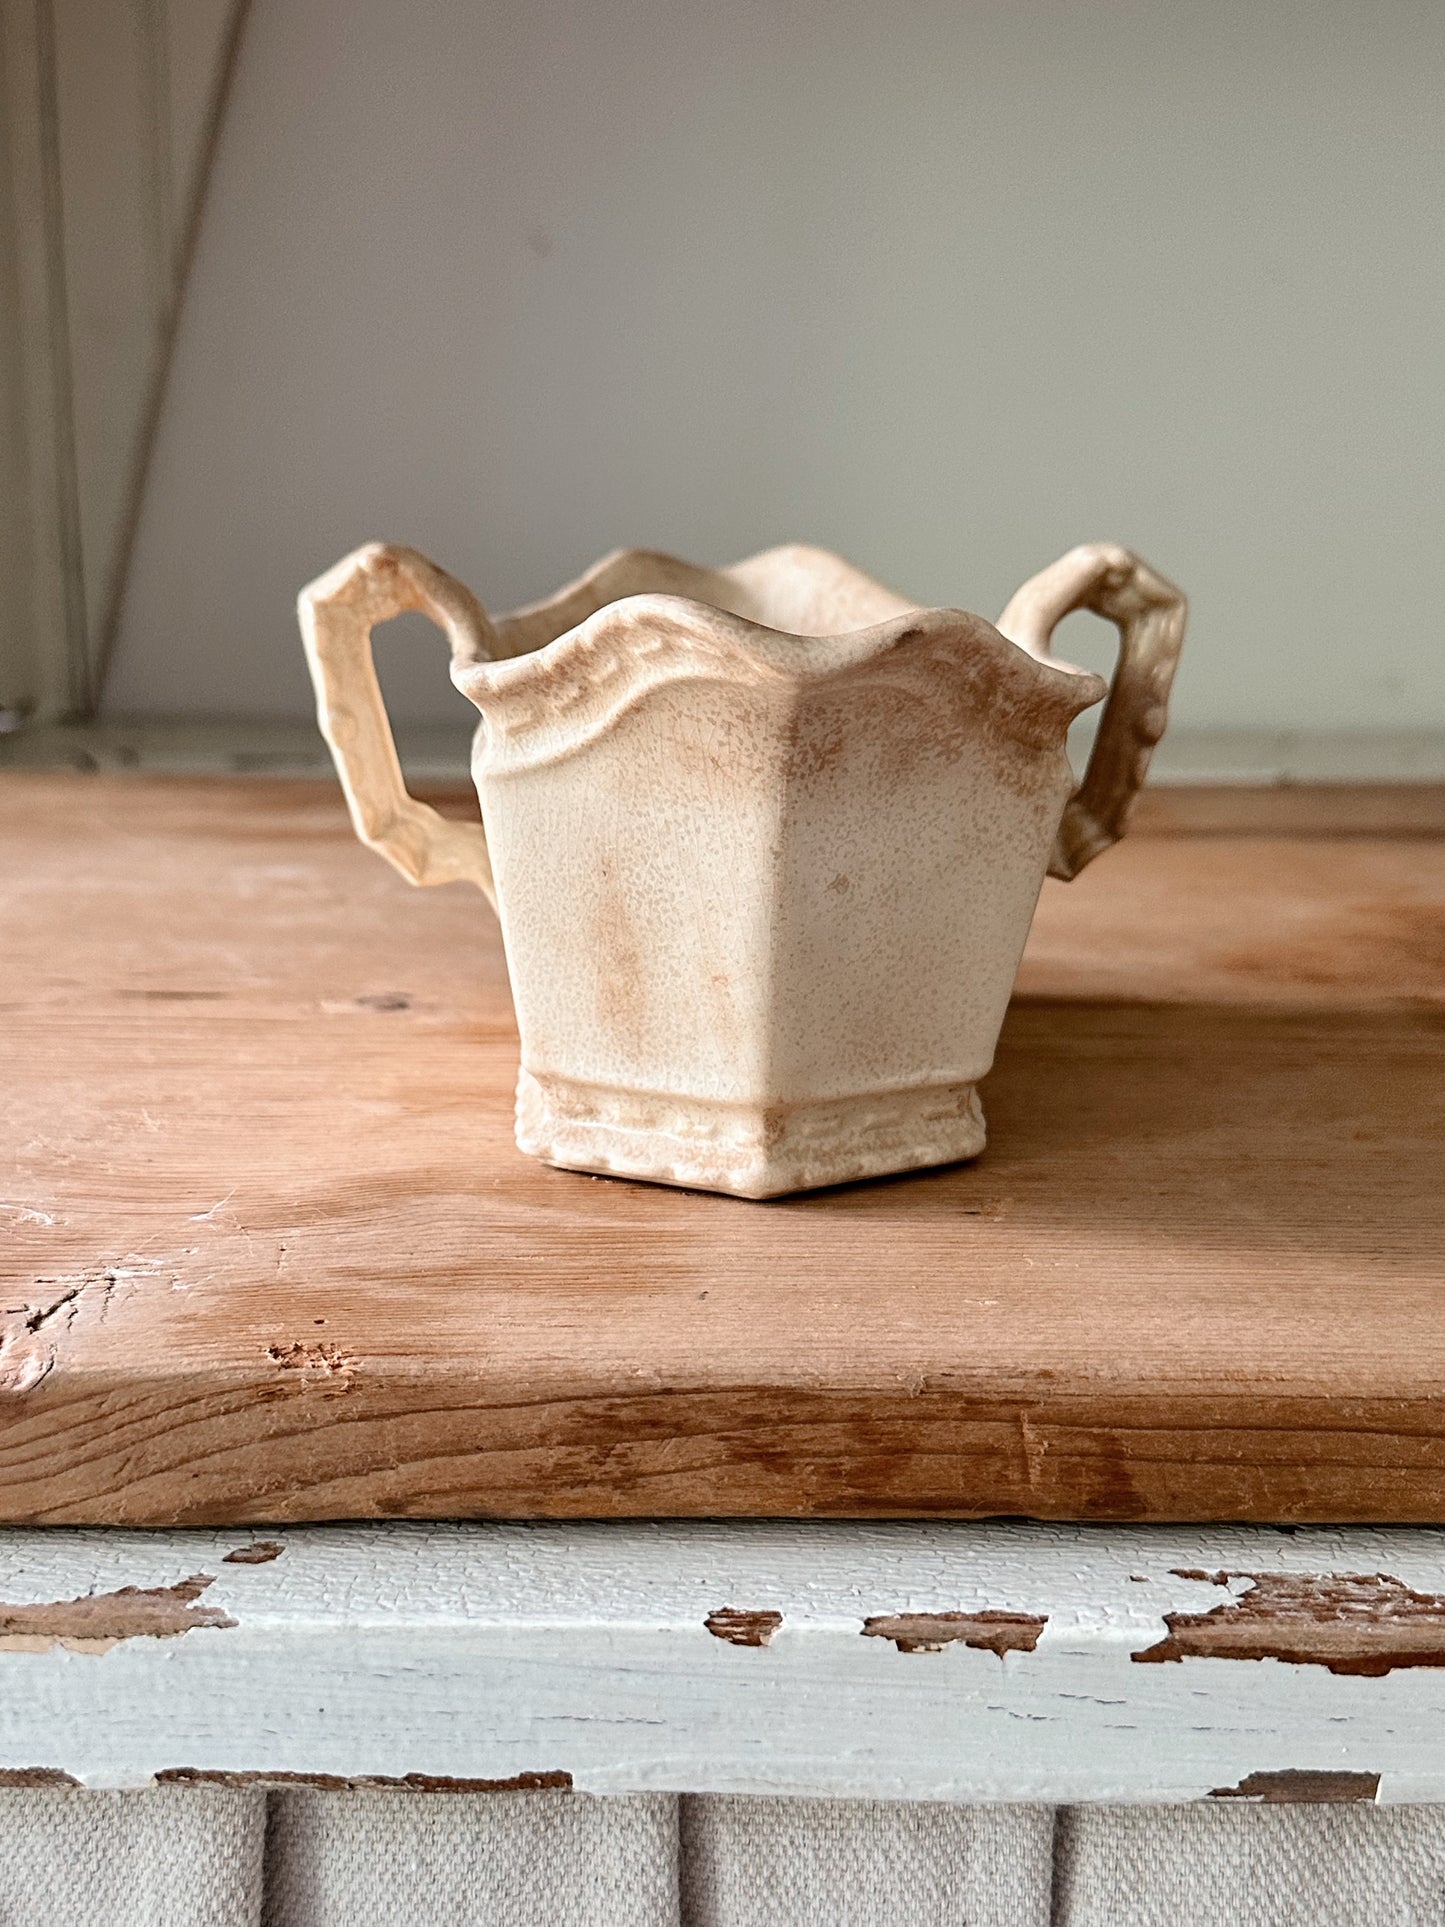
x=765, y=841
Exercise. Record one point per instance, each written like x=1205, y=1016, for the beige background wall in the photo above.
x=946, y=286
x=107, y=108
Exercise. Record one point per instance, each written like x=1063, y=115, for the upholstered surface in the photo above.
x=301, y=1857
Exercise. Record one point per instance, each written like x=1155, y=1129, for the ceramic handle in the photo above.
x=1149, y=613
x=338, y=612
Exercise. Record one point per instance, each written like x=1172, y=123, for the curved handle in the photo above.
x=1149, y=613
x=337, y=613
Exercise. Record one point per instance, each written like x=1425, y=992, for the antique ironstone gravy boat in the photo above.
x=765, y=841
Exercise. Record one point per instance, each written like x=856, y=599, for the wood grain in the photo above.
x=269, y=1253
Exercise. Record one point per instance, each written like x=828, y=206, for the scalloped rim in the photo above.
x=630, y=572
x=619, y=649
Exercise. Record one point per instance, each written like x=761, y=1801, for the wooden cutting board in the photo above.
x=267, y=1251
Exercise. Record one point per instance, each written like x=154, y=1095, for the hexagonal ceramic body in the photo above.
x=766, y=845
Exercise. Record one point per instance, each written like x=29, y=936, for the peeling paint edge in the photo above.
x=1303, y=1786
x=95, y=1623
x=743, y=1626
x=553, y=1781
x=987, y=1629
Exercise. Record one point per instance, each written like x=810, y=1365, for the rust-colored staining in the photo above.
x=816, y=737
x=989, y=1632
x=741, y=1628
x=1295, y=1785
x=99, y=1620
x=619, y=946
x=1350, y=1622
x=35, y=1776
x=553, y=1782
x=261, y=1553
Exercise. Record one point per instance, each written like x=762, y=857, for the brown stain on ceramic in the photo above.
x=1302, y=1786
x=1366, y=1624
x=948, y=689
x=740, y=1627
x=51, y=1776
x=97, y=1621
x=693, y=718
x=260, y=1554
x=723, y=741
x=555, y=1781
x=989, y=1631
x=621, y=980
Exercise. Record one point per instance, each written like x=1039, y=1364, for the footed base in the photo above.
x=749, y=1151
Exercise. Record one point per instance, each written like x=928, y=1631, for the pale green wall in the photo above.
x=948, y=287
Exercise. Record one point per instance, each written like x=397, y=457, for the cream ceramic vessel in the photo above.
x=765, y=841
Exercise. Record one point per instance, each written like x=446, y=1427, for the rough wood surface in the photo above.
x=999, y=1661
x=269, y=1252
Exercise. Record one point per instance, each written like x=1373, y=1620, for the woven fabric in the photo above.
x=1212, y=1866
x=165, y=1857
x=863, y=1863
x=393, y=1859
x=194, y=1855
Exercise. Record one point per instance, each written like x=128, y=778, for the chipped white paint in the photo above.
x=484, y=1652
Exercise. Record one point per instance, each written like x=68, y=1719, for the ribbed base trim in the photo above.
x=749, y=1151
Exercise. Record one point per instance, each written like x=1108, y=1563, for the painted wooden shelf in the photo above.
x=933, y=1661
x=269, y=1253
